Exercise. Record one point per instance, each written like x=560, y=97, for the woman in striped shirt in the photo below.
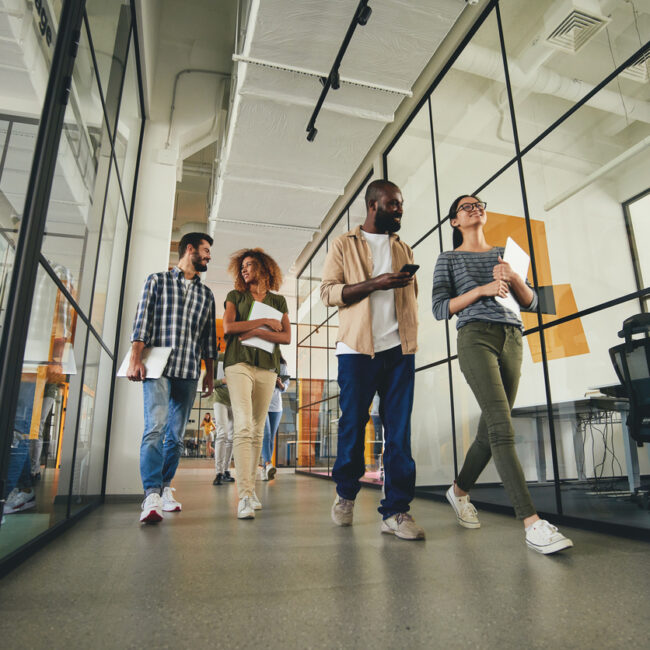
x=466, y=283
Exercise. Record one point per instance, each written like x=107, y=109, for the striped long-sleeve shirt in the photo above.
x=458, y=272
x=170, y=316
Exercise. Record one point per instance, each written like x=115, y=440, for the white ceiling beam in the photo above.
x=320, y=74
x=308, y=102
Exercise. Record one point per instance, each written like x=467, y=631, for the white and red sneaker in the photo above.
x=169, y=504
x=151, y=509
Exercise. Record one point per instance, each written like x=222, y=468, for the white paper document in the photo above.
x=519, y=261
x=261, y=310
x=154, y=360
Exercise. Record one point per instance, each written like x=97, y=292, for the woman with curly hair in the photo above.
x=251, y=372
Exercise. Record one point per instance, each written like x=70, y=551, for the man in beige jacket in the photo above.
x=376, y=346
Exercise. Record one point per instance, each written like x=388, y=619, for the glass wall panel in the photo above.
x=576, y=184
x=127, y=133
x=17, y=139
x=599, y=464
x=46, y=417
x=431, y=429
x=110, y=264
x=410, y=165
x=471, y=119
x=550, y=71
x=432, y=334
x=110, y=24
x=77, y=199
x=91, y=430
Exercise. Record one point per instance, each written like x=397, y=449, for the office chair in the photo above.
x=631, y=362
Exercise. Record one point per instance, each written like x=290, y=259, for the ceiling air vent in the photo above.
x=639, y=70
x=575, y=30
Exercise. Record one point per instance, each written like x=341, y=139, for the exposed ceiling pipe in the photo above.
x=484, y=62
x=173, y=106
x=265, y=224
x=601, y=171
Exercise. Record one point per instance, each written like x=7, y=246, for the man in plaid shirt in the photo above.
x=176, y=310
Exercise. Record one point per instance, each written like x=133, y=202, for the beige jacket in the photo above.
x=349, y=261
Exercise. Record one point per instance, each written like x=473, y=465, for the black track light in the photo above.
x=364, y=15
x=312, y=134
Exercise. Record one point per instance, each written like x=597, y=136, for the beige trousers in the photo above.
x=250, y=389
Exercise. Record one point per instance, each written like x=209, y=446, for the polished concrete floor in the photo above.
x=291, y=579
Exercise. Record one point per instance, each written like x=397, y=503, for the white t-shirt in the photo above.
x=385, y=329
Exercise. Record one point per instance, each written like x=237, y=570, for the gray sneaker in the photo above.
x=465, y=512
x=402, y=525
x=342, y=511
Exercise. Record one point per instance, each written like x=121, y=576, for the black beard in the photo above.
x=385, y=221
x=198, y=265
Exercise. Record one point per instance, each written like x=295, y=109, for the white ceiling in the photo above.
x=269, y=173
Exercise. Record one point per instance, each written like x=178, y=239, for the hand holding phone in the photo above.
x=409, y=268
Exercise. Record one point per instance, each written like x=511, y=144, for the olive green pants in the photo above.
x=490, y=358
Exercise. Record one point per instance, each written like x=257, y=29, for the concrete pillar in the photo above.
x=149, y=253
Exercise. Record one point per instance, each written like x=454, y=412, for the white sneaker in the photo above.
x=152, y=509
x=260, y=475
x=402, y=525
x=245, y=509
x=255, y=502
x=270, y=472
x=465, y=512
x=169, y=504
x=545, y=538
x=342, y=511
x=17, y=501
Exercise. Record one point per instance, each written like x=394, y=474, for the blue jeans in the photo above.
x=391, y=374
x=271, y=427
x=167, y=406
x=18, y=474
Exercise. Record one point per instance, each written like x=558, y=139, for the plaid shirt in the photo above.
x=168, y=316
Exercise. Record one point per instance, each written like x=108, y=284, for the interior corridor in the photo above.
x=292, y=579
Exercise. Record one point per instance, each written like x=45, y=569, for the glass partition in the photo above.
x=56, y=448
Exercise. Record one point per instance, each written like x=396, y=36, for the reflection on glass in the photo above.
x=45, y=419
x=556, y=67
x=576, y=188
x=431, y=430
x=471, y=119
x=110, y=264
x=410, y=166
x=127, y=133
x=110, y=24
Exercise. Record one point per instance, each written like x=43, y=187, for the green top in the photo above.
x=238, y=353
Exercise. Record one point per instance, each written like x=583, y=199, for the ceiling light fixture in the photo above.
x=333, y=81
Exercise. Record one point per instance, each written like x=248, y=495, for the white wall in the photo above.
x=149, y=253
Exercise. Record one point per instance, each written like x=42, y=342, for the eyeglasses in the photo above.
x=468, y=207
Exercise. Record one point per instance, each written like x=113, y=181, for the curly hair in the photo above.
x=269, y=271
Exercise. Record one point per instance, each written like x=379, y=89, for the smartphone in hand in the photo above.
x=409, y=268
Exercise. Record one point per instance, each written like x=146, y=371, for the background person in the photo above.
x=251, y=372
x=176, y=310
x=272, y=423
x=224, y=429
x=466, y=282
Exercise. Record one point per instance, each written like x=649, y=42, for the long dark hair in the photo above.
x=457, y=238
